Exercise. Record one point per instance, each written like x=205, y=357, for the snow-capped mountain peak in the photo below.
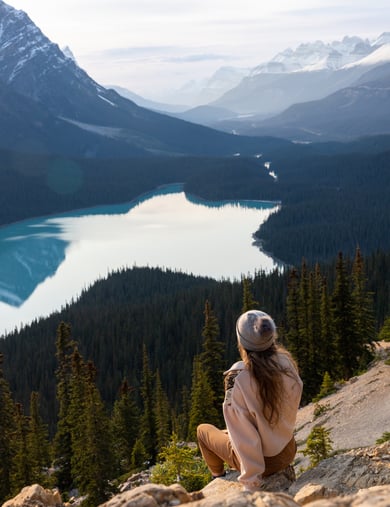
x=378, y=56
x=318, y=55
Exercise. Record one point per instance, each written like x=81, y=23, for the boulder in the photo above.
x=35, y=496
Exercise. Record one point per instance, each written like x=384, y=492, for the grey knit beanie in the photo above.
x=255, y=330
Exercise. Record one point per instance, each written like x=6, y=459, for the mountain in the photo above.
x=148, y=104
x=35, y=68
x=203, y=91
x=311, y=72
x=355, y=111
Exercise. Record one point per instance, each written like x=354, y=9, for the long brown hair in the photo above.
x=268, y=374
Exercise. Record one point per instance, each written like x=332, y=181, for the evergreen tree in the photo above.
x=384, y=333
x=315, y=352
x=202, y=400
x=343, y=312
x=180, y=426
x=318, y=445
x=98, y=458
x=62, y=440
x=292, y=308
x=92, y=459
x=7, y=427
x=211, y=358
x=248, y=300
x=148, y=423
x=363, y=312
x=76, y=419
x=162, y=415
x=124, y=426
x=21, y=468
x=327, y=345
x=139, y=456
x=37, y=442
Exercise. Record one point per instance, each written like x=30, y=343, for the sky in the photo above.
x=153, y=47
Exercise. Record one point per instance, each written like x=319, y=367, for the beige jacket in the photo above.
x=251, y=435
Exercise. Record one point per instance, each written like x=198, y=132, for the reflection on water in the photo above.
x=46, y=262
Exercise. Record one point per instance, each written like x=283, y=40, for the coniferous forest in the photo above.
x=97, y=390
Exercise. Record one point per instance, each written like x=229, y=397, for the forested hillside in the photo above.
x=140, y=356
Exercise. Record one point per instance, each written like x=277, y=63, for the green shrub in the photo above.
x=384, y=438
x=318, y=445
x=327, y=387
x=179, y=463
x=320, y=409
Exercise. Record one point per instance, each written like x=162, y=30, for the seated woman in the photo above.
x=262, y=397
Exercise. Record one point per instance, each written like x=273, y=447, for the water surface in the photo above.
x=47, y=262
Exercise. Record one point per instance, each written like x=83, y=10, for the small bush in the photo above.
x=320, y=409
x=384, y=438
x=179, y=463
x=318, y=445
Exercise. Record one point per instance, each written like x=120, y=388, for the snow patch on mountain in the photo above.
x=380, y=55
x=318, y=55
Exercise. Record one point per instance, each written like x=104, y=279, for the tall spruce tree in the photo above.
x=292, y=308
x=316, y=353
x=363, y=311
x=343, y=313
x=21, y=470
x=37, y=442
x=148, y=434
x=124, y=426
x=202, y=400
x=92, y=459
x=248, y=300
x=62, y=441
x=98, y=459
x=327, y=342
x=162, y=415
x=212, y=359
x=7, y=428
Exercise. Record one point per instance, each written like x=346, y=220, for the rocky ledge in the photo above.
x=357, y=478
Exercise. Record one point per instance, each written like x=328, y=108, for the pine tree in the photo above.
x=202, y=400
x=98, y=458
x=62, y=440
x=211, y=359
x=318, y=445
x=248, y=300
x=21, y=468
x=343, y=313
x=292, y=307
x=139, y=456
x=124, y=426
x=37, y=442
x=162, y=415
x=180, y=423
x=363, y=312
x=147, y=422
x=7, y=427
x=92, y=460
x=326, y=357
x=384, y=333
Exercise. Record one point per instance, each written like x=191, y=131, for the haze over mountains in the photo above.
x=48, y=103
x=317, y=92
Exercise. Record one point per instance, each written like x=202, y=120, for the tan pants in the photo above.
x=216, y=449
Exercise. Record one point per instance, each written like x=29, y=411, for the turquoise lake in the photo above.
x=47, y=262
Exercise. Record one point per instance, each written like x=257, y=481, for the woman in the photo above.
x=262, y=396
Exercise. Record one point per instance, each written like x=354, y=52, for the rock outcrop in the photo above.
x=35, y=496
x=357, y=478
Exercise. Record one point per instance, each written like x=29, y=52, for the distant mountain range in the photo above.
x=318, y=92
x=51, y=105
